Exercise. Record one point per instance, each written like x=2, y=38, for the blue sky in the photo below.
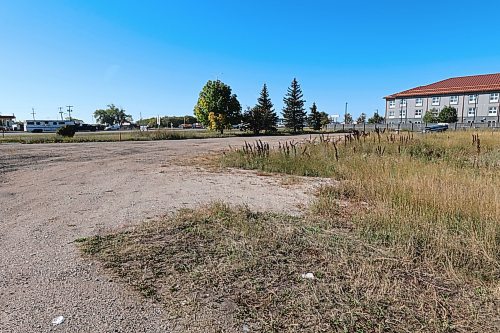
x=153, y=57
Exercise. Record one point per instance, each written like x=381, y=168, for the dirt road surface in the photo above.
x=53, y=194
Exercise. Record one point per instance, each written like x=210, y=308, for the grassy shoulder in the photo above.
x=115, y=136
x=230, y=269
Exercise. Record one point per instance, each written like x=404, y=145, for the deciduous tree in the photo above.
x=216, y=97
x=448, y=115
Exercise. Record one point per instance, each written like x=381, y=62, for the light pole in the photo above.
x=345, y=114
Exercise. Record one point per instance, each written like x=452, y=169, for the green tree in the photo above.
x=294, y=111
x=315, y=118
x=448, y=115
x=112, y=115
x=430, y=116
x=216, y=97
x=347, y=118
x=376, y=119
x=324, y=118
x=361, y=118
x=266, y=107
x=255, y=119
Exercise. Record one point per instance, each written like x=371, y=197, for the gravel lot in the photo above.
x=52, y=194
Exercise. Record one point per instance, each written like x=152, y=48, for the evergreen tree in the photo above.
x=315, y=118
x=255, y=118
x=294, y=111
x=265, y=106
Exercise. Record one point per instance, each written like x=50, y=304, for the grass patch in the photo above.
x=435, y=197
x=223, y=269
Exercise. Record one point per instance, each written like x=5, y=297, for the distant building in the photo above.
x=476, y=99
x=6, y=122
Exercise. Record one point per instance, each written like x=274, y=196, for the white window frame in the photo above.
x=391, y=114
x=402, y=102
x=454, y=101
x=418, y=113
x=494, y=97
x=492, y=111
x=419, y=101
x=436, y=100
x=473, y=113
x=402, y=113
x=473, y=99
x=392, y=103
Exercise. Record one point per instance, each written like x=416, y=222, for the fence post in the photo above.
x=343, y=127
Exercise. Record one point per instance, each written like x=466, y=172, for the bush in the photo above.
x=67, y=131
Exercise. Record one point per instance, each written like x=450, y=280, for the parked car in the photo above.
x=436, y=128
x=114, y=127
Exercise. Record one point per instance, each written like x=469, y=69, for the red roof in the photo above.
x=456, y=85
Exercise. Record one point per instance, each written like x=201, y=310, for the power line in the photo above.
x=69, y=111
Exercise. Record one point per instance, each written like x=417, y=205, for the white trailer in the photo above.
x=43, y=126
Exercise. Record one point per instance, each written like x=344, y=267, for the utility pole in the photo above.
x=345, y=114
x=69, y=111
x=33, y=113
x=61, y=112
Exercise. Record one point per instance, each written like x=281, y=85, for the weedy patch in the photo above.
x=223, y=269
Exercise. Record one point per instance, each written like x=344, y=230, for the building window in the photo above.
x=435, y=100
x=392, y=103
x=402, y=113
x=453, y=100
x=472, y=99
x=391, y=114
x=472, y=112
x=418, y=113
x=492, y=111
x=494, y=98
x=402, y=102
x=419, y=102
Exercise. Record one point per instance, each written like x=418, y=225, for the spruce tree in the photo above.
x=254, y=118
x=269, y=116
x=315, y=118
x=293, y=111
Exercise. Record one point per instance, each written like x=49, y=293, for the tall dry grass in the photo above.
x=434, y=197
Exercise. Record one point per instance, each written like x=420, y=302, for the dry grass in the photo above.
x=222, y=269
x=435, y=197
x=408, y=241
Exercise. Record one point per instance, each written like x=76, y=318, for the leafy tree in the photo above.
x=112, y=115
x=315, y=118
x=324, y=118
x=376, y=119
x=347, y=118
x=217, y=122
x=294, y=111
x=448, y=115
x=216, y=97
x=255, y=119
x=265, y=106
x=361, y=118
x=430, y=116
